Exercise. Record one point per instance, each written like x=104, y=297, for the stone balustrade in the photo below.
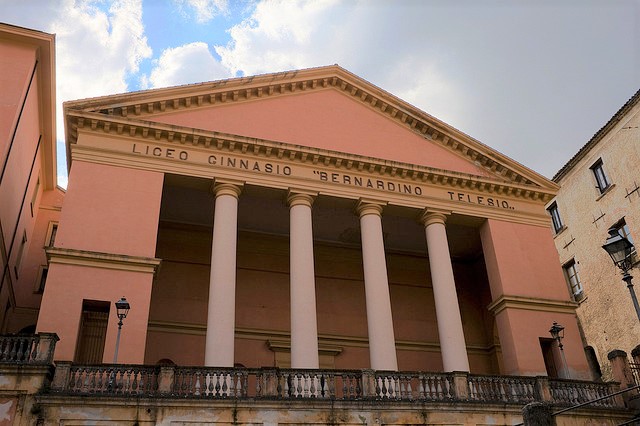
x=27, y=349
x=347, y=385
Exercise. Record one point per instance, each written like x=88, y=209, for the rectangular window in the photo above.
x=34, y=196
x=23, y=243
x=555, y=217
x=92, y=333
x=51, y=234
x=42, y=278
x=575, y=286
x=602, y=183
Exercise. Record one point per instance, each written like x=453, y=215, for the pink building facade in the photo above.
x=296, y=248
x=30, y=200
x=302, y=219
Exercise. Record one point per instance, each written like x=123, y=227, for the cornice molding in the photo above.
x=283, y=338
x=151, y=132
x=532, y=304
x=143, y=105
x=102, y=260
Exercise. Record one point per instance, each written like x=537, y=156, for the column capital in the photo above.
x=226, y=187
x=297, y=197
x=370, y=206
x=430, y=216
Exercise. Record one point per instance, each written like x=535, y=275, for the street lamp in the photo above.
x=620, y=249
x=557, y=332
x=122, y=309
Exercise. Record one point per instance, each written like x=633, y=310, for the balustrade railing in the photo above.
x=27, y=348
x=333, y=384
x=348, y=385
x=414, y=386
x=112, y=379
x=208, y=382
x=571, y=392
x=520, y=390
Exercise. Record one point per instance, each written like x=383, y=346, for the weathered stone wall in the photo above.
x=606, y=312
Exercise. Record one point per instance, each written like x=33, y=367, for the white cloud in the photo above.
x=95, y=50
x=191, y=63
x=380, y=42
x=204, y=10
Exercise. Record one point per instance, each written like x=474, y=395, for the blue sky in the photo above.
x=533, y=79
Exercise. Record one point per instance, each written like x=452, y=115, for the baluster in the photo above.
x=346, y=386
x=472, y=390
x=92, y=381
x=12, y=354
x=198, y=384
x=323, y=386
x=185, y=382
x=134, y=383
x=421, y=387
x=210, y=382
x=245, y=384
x=225, y=384
x=218, y=385
x=286, y=377
x=396, y=387
x=4, y=348
x=312, y=385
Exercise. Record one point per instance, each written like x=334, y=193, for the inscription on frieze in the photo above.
x=339, y=178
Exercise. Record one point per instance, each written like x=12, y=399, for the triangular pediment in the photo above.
x=326, y=109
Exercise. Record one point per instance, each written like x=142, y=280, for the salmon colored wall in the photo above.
x=16, y=65
x=520, y=332
x=47, y=211
x=302, y=119
x=106, y=206
x=522, y=260
x=109, y=210
x=180, y=296
x=68, y=285
x=19, y=163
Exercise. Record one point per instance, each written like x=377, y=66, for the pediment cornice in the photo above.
x=143, y=105
x=78, y=121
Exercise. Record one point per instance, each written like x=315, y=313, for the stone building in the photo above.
x=296, y=248
x=599, y=191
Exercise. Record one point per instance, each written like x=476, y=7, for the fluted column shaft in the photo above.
x=382, y=348
x=304, y=327
x=452, y=343
x=219, y=345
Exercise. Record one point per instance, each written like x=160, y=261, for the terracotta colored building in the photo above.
x=296, y=248
x=30, y=200
x=599, y=191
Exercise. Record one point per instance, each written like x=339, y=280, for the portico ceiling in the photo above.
x=189, y=201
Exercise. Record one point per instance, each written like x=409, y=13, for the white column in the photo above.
x=452, y=344
x=221, y=312
x=304, y=328
x=382, y=344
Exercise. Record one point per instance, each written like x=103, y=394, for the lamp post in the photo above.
x=122, y=309
x=557, y=332
x=620, y=249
